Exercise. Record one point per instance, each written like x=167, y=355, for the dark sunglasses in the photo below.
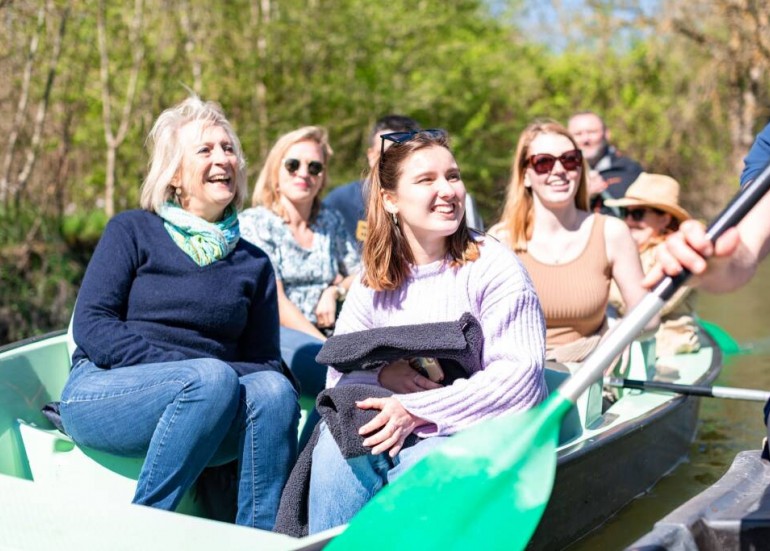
x=314, y=168
x=637, y=215
x=544, y=163
x=401, y=137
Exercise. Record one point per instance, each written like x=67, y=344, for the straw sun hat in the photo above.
x=653, y=190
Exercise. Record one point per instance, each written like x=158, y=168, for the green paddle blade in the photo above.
x=726, y=343
x=485, y=488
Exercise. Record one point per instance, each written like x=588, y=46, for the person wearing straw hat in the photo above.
x=652, y=212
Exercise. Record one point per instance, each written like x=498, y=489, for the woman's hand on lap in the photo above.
x=401, y=378
x=390, y=427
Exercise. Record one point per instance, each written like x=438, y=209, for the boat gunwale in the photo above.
x=577, y=449
x=10, y=347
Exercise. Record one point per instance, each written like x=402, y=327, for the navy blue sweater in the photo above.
x=143, y=300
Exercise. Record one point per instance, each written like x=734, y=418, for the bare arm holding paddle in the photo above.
x=721, y=267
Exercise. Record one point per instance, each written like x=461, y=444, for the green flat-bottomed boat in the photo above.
x=54, y=494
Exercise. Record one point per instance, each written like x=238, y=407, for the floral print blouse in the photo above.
x=305, y=273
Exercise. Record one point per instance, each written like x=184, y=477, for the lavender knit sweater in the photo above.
x=498, y=292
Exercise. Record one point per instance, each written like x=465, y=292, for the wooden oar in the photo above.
x=691, y=390
x=487, y=487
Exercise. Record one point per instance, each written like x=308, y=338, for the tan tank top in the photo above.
x=573, y=294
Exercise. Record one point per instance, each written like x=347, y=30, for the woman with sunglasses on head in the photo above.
x=422, y=265
x=176, y=326
x=652, y=212
x=570, y=253
x=313, y=256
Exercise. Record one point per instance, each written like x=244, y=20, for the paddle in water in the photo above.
x=487, y=487
x=725, y=341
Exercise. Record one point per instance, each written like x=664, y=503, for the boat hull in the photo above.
x=592, y=486
x=734, y=513
x=598, y=476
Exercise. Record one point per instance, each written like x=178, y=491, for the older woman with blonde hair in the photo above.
x=176, y=327
x=313, y=255
x=652, y=212
x=570, y=253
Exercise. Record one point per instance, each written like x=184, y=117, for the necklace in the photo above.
x=559, y=248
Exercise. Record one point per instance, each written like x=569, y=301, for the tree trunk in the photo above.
x=21, y=108
x=115, y=139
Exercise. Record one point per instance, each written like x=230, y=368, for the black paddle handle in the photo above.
x=634, y=322
x=730, y=216
x=751, y=394
x=693, y=390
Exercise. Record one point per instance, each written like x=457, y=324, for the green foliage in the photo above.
x=39, y=276
x=480, y=69
x=83, y=229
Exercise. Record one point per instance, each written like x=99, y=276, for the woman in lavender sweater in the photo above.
x=421, y=265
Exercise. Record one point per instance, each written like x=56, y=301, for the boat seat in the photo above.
x=54, y=459
x=572, y=424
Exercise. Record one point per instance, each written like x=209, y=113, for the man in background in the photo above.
x=611, y=173
x=350, y=199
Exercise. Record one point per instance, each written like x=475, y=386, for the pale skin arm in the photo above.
x=626, y=266
x=732, y=261
x=291, y=317
x=596, y=183
x=326, y=310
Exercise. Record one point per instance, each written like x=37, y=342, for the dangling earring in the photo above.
x=395, y=218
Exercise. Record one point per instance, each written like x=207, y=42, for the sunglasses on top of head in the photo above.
x=543, y=163
x=314, y=168
x=401, y=137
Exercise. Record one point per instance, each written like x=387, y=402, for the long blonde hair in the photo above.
x=519, y=211
x=387, y=256
x=266, y=189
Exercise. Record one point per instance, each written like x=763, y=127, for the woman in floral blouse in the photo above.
x=313, y=256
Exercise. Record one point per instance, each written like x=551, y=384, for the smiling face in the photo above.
x=429, y=199
x=651, y=223
x=589, y=133
x=207, y=171
x=559, y=186
x=301, y=186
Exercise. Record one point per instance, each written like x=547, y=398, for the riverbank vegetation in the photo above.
x=683, y=85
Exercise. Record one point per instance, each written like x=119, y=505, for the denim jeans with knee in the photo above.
x=340, y=487
x=299, y=350
x=183, y=416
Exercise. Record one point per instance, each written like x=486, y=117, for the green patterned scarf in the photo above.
x=203, y=241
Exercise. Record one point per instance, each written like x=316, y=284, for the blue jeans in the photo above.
x=183, y=416
x=299, y=350
x=340, y=487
